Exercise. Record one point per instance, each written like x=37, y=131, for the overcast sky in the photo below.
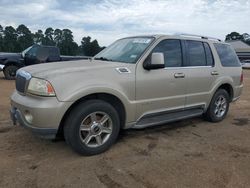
x=108, y=20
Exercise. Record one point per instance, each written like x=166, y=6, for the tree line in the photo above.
x=17, y=39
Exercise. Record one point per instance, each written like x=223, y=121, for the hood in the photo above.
x=74, y=79
x=58, y=69
x=9, y=55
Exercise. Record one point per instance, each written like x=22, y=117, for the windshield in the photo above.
x=127, y=50
x=31, y=51
x=25, y=51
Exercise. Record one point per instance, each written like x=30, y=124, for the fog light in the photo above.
x=28, y=117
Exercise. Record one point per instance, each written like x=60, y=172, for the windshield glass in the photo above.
x=32, y=51
x=26, y=50
x=127, y=50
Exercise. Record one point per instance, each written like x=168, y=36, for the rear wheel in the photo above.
x=10, y=72
x=92, y=127
x=218, y=107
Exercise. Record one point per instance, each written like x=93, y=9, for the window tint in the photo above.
x=227, y=55
x=209, y=55
x=172, y=52
x=33, y=51
x=196, y=53
x=53, y=51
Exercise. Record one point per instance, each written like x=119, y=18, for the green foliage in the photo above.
x=24, y=37
x=38, y=37
x=49, y=37
x=66, y=42
x=1, y=38
x=58, y=36
x=10, y=39
x=234, y=36
x=16, y=40
x=89, y=48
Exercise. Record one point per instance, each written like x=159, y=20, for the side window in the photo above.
x=196, y=53
x=41, y=54
x=209, y=55
x=227, y=55
x=171, y=48
x=53, y=51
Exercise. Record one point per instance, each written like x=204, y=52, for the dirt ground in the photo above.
x=190, y=153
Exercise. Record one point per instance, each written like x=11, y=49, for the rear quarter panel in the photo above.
x=227, y=75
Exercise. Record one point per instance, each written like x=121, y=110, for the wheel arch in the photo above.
x=12, y=62
x=110, y=98
x=229, y=88
x=224, y=85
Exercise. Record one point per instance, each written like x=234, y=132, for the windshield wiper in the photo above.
x=103, y=59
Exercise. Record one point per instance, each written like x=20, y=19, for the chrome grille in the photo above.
x=22, y=79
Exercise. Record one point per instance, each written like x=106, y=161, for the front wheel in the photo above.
x=218, y=107
x=92, y=127
x=10, y=72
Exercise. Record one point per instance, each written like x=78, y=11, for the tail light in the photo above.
x=241, y=78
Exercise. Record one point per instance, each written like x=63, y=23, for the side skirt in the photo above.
x=167, y=117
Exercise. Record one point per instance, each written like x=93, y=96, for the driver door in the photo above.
x=162, y=90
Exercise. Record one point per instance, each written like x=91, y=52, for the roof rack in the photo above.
x=199, y=36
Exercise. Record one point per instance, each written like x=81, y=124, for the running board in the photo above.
x=159, y=119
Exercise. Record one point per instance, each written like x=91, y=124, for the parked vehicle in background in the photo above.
x=136, y=82
x=245, y=64
x=242, y=50
x=35, y=54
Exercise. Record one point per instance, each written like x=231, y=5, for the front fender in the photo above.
x=128, y=104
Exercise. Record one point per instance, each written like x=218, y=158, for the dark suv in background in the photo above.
x=35, y=54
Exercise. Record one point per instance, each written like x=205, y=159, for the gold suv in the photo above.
x=136, y=82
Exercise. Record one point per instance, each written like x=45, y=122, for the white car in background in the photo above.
x=245, y=64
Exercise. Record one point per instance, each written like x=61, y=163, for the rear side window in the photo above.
x=196, y=53
x=171, y=48
x=227, y=55
x=209, y=55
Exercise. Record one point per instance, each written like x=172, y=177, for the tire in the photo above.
x=10, y=72
x=218, y=106
x=100, y=127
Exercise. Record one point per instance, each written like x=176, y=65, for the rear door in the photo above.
x=201, y=72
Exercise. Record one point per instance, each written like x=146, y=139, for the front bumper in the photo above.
x=48, y=133
x=42, y=115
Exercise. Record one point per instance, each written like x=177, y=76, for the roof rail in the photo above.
x=199, y=36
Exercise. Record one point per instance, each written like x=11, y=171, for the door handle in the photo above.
x=214, y=73
x=179, y=75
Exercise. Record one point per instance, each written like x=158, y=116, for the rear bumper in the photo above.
x=237, y=92
x=16, y=116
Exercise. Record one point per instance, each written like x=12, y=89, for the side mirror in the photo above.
x=157, y=62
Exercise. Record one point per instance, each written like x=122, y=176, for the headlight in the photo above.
x=40, y=87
